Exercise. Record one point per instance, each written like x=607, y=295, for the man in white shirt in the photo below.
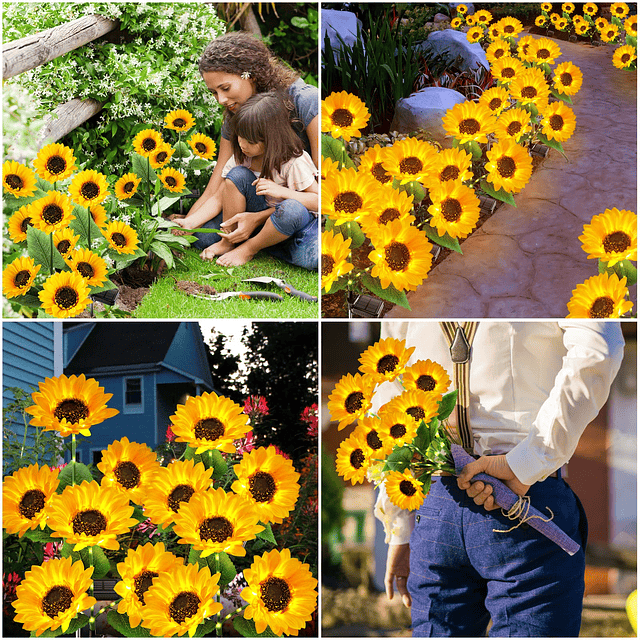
x=534, y=387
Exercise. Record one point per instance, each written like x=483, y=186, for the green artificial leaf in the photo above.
x=142, y=168
x=334, y=148
x=501, y=195
x=445, y=241
x=553, y=144
x=531, y=108
x=213, y=460
x=267, y=534
x=339, y=284
x=351, y=230
x=182, y=150
x=96, y=558
x=623, y=269
x=631, y=40
x=29, y=300
x=195, y=558
x=206, y=628
x=447, y=404
x=247, y=629
x=473, y=148
x=433, y=428
x=198, y=164
x=425, y=478
x=106, y=286
x=40, y=248
x=414, y=189
x=423, y=438
x=162, y=251
x=390, y=294
x=399, y=459
x=78, y=622
x=120, y=622
x=561, y=96
x=84, y=225
x=189, y=453
x=138, y=514
x=226, y=568
x=43, y=185
x=66, y=475
x=39, y=535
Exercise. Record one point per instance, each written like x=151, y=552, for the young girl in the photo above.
x=270, y=187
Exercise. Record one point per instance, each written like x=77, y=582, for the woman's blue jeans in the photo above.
x=290, y=218
x=464, y=574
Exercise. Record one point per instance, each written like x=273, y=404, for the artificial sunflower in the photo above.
x=498, y=49
x=343, y=115
x=494, y=33
x=601, y=23
x=467, y=121
x=590, y=8
x=372, y=162
x=281, y=593
x=17, y=179
x=523, y=47
x=178, y=601
x=562, y=24
x=455, y=209
x=121, y=237
x=52, y=594
x=496, y=99
x=509, y=167
x=24, y=495
x=52, y=212
x=404, y=490
x=179, y=120
x=554, y=17
x=567, y=78
x=140, y=567
x=396, y=426
x=401, y=256
x=513, y=123
x=505, y=69
x=456, y=23
x=209, y=422
x=173, y=180
x=348, y=195
x=470, y=20
x=146, y=142
x=530, y=88
x=70, y=405
x=161, y=155
x=369, y=432
x=462, y=9
x=609, y=33
x=475, y=34
x=541, y=21
x=88, y=514
x=18, y=276
x=55, y=162
x=510, y=27
x=578, y=19
x=483, y=17
x=428, y=376
x=546, y=7
x=129, y=467
x=217, y=522
x=631, y=26
x=126, y=186
x=329, y=166
x=19, y=222
x=386, y=359
x=335, y=251
x=88, y=188
x=611, y=236
x=420, y=405
x=353, y=458
x=450, y=165
x=89, y=265
x=568, y=7
x=558, y=121
x=351, y=399
x=409, y=160
x=619, y=9
x=269, y=482
x=624, y=56
x=65, y=241
x=174, y=486
x=582, y=28
x=64, y=295
x=202, y=145
x=543, y=51
x=396, y=205
x=600, y=296
x=99, y=216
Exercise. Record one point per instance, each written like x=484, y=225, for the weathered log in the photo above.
x=38, y=49
x=66, y=118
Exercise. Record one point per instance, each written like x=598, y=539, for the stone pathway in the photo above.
x=524, y=262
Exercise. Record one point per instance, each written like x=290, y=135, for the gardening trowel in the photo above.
x=243, y=295
x=283, y=285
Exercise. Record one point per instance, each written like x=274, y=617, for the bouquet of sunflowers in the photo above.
x=210, y=510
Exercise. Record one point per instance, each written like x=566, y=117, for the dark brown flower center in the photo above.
x=426, y=383
x=90, y=190
x=216, y=529
x=127, y=474
x=90, y=522
x=129, y=187
x=171, y=181
x=342, y=118
x=506, y=167
x=63, y=246
x=25, y=223
x=327, y=264
x=149, y=144
x=354, y=401
x=566, y=79
x=58, y=599
x=397, y=256
x=181, y=493
x=66, y=297
x=14, y=181
x=380, y=174
x=162, y=156
x=183, y=606
x=72, y=410
x=601, y=308
x=398, y=430
x=616, y=242
x=388, y=215
x=356, y=458
x=451, y=210
x=21, y=279
x=85, y=270
x=32, y=502
x=387, y=364
x=625, y=57
x=469, y=126
x=411, y=165
x=494, y=104
x=556, y=122
x=508, y=72
x=450, y=172
x=201, y=147
x=348, y=201
x=262, y=486
x=417, y=413
x=373, y=440
x=529, y=92
x=118, y=239
x=514, y=128
x=509, y=28
x=209, y=429
x=275, y=594
x=56, y=165
x=407, y=488
x=142, y=582
x=498, y=53
x=52, y=214
x=179, y=122
x=543, y=54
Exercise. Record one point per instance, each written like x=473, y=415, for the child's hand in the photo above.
x=266, y=187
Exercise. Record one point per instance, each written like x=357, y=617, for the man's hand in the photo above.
x=398, y=570
x=496, y=466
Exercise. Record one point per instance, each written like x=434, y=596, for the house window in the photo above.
x=133, y=392
x=96, y=456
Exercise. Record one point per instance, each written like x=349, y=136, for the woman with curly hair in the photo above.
x=235, y=67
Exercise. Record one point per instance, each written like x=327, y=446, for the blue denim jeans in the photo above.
x=290, y=218
x=464, y=574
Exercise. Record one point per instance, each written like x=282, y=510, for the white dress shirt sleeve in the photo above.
x=398, y=523
x=594, y=354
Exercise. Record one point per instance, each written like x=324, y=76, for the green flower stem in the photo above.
x=92, y=618
x=89, y=228
x=219, y=622
x=73, y=458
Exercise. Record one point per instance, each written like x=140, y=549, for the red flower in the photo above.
x=255, y=406
x=52, y=551
x=246, y=444
x=170, y=436
x=310, y=416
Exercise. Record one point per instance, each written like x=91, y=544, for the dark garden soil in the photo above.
x=193, y=287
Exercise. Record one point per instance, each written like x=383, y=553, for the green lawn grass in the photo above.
x=164, y=300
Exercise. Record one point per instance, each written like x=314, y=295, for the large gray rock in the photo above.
x=425, y=110
x=470, y=7
x=440, y=17
x=339, y=23
x=452, y=44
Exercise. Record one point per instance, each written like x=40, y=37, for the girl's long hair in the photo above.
x=265, y=117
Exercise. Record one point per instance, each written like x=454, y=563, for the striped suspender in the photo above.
x=460, y=338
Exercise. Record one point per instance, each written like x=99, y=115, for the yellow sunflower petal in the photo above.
x=509, y=167
x=351, y=399
x=372, y=163
x=513, y=123
x=89, y=188
x=173, y=180
x=19, y=222
x=428, y=376
x=202, y=145
x=409, y=160
x=404, y=490
x=469, y=121
x=600, y=296
x=353, y=458
x=611, y=236
x=18, y=179
x=121, y=237
x=55, y=162
x=146, y=142
x=18, y=276
x=624, y=56
x=65, y=241
x=386, y=359
x=126, y=186
x=349, y=195
x=161, y=155
x=558, y=121
x=89, y=265
x=52, y=212
x=343, y=115
x=64, y=295
x=179, y=120
x=335, y=251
